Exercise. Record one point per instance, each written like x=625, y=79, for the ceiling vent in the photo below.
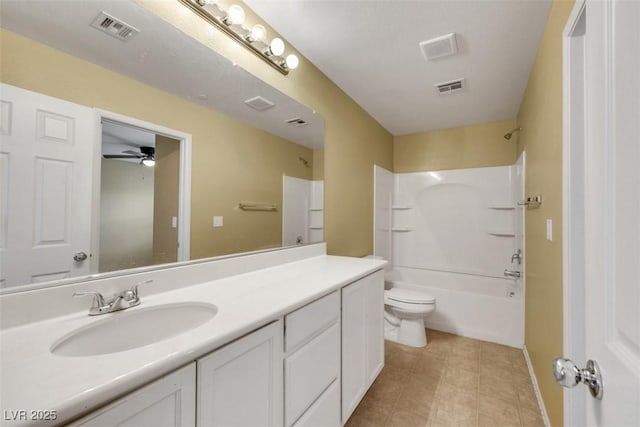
x=114, y=27
x=440, y=46
x=297, y=122
x=450, y=87
x=259, y=103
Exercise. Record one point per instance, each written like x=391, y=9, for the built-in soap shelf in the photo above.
x=502, y=206
x=401, y=218
x=501, y=219
x=315, y=218
x=502, y=233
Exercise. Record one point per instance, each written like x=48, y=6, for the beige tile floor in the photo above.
x=453, y=381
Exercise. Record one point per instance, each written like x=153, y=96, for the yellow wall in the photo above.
x=354, y=141
x=232, y=161
x=540, y=117
x=463, y=147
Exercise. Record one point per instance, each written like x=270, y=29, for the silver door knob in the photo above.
x=79, y=256
x=567, y=374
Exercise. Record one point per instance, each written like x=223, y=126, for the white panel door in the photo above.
x=241, y=384
x=612, y=208
x=602, y=321
x=45, y=165
x=167, y=402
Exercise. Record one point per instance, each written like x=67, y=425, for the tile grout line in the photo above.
x=435, y=396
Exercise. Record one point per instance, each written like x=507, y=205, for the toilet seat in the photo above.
x=409, y=296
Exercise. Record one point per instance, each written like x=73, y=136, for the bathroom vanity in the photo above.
x=294, y=344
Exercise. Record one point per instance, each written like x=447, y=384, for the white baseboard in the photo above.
x=543, y=410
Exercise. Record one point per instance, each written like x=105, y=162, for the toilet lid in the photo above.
x=406, y=295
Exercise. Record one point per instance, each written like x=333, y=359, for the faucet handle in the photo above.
x=98, y=299
x=134, y=289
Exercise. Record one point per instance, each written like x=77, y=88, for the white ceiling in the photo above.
x=369, y=48
x=161, y=56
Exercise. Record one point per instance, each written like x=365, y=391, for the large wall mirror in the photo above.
x=190, y=156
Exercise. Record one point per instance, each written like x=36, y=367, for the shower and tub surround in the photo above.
x=452, y=234
x=255, y=295
x=302, y=211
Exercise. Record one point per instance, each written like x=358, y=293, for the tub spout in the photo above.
x=511, y=273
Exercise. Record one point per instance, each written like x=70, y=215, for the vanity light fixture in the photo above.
x=231, y=23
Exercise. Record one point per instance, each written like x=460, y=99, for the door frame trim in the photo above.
x=573, y=310
x=184, y=181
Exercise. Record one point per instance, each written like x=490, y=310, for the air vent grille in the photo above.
x=440, y=46
x=450, y=87
x=114, y=27
x=296, y=122
x=259, y=103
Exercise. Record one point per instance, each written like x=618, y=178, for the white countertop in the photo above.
x=32, y=378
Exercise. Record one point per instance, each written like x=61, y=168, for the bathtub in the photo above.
x=481, y=307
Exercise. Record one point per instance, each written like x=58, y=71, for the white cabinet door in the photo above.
x=362, y=339
x=241, y=384
x=169, y=401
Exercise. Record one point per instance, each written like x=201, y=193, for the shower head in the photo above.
x=509, y=134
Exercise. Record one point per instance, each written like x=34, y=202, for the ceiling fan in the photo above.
x=147, y=155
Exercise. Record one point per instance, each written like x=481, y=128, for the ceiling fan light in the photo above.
x=149, y=162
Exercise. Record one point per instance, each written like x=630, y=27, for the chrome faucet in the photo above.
x=121, y=301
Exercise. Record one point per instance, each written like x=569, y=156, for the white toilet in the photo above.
x=404, y=314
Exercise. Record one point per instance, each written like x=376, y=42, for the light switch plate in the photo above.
x=174, y=222
x=218, y=221
x=549, y=229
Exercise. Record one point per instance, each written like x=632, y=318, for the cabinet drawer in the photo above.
x=303, y=323
x=325, y=412
x=309, y=371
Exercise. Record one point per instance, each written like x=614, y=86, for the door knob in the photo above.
x=567, y=374
x=79, y=256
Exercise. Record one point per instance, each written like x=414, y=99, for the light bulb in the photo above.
x=292, y=61
x=235, y=15
x=258, y=33
x=277, y=46
x=149, y=162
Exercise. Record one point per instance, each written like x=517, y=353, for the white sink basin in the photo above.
x=126, y=329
